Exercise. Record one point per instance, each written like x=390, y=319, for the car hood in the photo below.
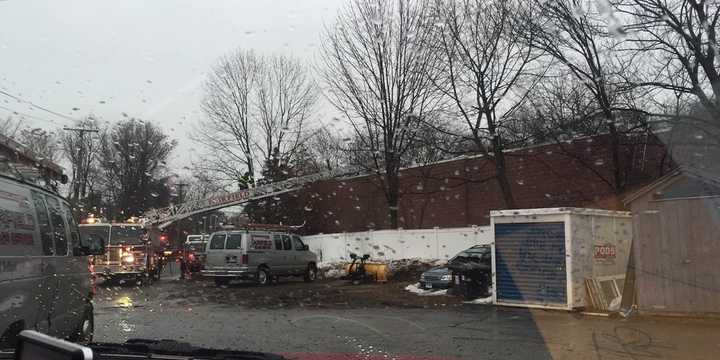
x=356, y=356
x=440, y=270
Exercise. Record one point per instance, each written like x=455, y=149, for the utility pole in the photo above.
x=81, y=135
x=179, y=201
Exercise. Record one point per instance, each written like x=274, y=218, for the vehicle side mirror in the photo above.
x=306, y=247
x=90, y=245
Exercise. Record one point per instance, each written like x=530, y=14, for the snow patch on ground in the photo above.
x=331, y=270
x=480, y=301
x=334, y=273
x=415, y=289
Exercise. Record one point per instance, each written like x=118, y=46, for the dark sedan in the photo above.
x=436, y=278
x=441, y=277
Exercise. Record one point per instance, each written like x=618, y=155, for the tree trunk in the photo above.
x=393, y=196
x=501, y=172
x=615, y=149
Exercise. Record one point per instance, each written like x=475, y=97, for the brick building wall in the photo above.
x=462, y=192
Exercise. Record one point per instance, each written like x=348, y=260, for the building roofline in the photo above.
x=670, y=176
x=478, y=156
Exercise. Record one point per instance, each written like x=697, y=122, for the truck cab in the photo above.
x=128, y=251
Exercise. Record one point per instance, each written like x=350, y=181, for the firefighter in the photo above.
x=246, y=181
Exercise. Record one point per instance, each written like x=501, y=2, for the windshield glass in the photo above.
x=124, y=234
x=364, y=179
x=96, y=232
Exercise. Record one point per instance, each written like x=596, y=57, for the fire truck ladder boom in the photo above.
x=165, y=216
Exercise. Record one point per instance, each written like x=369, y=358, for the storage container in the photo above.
x=542, y=257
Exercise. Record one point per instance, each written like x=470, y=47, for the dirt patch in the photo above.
x=321, y=294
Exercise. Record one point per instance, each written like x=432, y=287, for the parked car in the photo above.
x=441, y=277
x=45, y=275
x=261, y=256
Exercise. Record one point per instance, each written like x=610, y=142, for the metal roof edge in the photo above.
x=23, y=150
x=647, y=188
x=558, y=210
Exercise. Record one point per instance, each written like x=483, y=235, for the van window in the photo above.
x=261, y=242
x=286, y=242
x=297, y=243
x=59, y=228
x=217, y=242
x=17, y=226
x=278, y=242
x=44, y=223
x=234, y=241
x=74, y=232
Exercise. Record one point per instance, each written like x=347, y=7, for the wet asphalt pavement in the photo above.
x=440, y=329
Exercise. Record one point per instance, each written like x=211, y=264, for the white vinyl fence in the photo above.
x=430, y=244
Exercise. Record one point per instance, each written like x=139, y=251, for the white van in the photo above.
x=257, y=255
x=45, y=280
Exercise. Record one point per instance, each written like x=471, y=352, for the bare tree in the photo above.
x=10, y=126
x=486, y=72
x=41, y=144
x=583, y=37
x=81, y=149
x=38, y=143
x=679, y=41
x=131, y=156
x=323, y=150
x=377, y=68
x=559, y=109
x=257, y=108
x=285, y=100
x=227, y=131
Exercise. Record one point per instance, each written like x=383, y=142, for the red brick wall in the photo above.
x=462, y=192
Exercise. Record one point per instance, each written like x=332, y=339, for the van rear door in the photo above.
x=216, y=251
x=233, y=250
x=21, y=263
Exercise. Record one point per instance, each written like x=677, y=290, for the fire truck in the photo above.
x=129, y=250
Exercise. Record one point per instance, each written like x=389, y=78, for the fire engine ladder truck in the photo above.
x=161, y=218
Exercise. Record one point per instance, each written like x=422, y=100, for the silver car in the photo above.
x=45, y=275
x=261, y=256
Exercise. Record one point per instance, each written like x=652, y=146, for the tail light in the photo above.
x=191, y=257
x=244, y=259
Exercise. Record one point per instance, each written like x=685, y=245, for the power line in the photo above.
x=15, y=112
x=37, y=106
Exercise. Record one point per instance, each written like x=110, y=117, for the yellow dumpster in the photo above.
x=378, y=270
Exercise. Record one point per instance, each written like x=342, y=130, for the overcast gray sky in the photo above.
x=140, y=57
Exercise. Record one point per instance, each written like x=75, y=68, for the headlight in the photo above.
x=422, y=277
x=446, y=277
x=128, y=259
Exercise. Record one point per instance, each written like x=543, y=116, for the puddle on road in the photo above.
x=126, y=326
